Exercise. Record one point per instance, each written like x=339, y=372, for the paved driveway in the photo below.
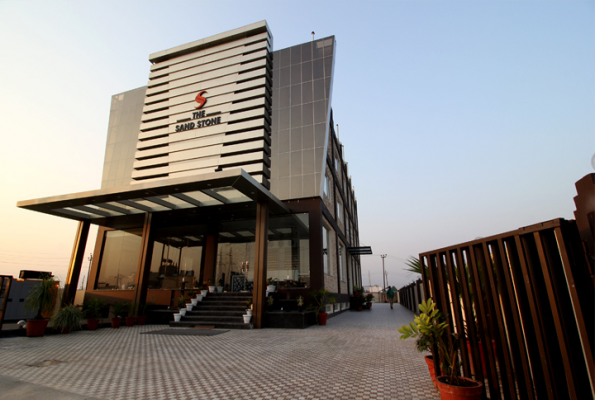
x=358, y=355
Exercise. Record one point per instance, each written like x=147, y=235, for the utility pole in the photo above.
x=383, y=277
x=89, y=270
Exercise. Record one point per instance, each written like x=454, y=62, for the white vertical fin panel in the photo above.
x=208, y=107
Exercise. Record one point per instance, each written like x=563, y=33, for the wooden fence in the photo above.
x=411, y=295
x=524, y=301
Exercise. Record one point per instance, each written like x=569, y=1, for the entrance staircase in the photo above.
x=218, y=310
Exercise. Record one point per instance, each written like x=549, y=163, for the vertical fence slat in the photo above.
x=560, y=343
x=539, y=361
x=471, y=330
x=458, y=316
x=581, y=318
x=494, y=263
x=515, y=333
x=486, y=328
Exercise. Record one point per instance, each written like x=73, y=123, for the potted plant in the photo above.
x=369, y=298
x=321, y=299
x=118, y=309
x=67, y=318
x=249, y=305
x=300, y=304
x=220, y=286
x=41, y=299
x=359, y=301
x=181, y=305
x=142, y=313
x=130, y=318
x=271, y=285
x=211, y=286
x=356, y=291
x=92, y=311
x=430, y=332
x=204, y=291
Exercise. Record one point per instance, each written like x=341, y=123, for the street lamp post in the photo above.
x=383, y=278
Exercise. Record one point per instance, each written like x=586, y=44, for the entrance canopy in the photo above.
x=116, y=207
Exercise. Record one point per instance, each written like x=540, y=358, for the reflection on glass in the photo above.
x=287, y=256
x=119, y=260
x=325, y=249
x=289, y=251
x=175, y=264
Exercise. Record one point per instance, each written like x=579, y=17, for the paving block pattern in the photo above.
x=357, y=355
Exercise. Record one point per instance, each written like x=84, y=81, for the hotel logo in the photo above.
x=200, y=100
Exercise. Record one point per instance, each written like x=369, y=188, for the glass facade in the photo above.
x=301, y=108
x=175, y=264
x=288, y=256
x=119, y=260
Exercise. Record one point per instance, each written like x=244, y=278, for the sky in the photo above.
x=460, y=119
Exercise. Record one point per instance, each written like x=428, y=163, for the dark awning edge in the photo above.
x=76, y=205
x=360, y=251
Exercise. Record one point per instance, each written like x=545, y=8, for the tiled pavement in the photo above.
x=358, y=355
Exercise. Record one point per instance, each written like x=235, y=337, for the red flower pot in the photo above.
x=430, y=362
x=369, y=304
x=66, y=330
x=322, y=317
x=142, y=319
x=130, y=321
x=36, y=327
x=471, y=391
x=92, y=324
x=359, y=308
x=116, y=322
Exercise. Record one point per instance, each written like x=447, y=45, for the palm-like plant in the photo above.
x=414, y=265
x=42, y=297
x=68, y=318
x=430, y=331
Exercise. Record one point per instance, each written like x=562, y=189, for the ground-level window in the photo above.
x=175, y=263
x=288, y=256
x=288, y=253
x=327, y=249
x=119, y=260
x=342, y=262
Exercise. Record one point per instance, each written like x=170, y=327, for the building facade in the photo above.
x=224, y=169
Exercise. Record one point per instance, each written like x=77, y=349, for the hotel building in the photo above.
x=225, y=168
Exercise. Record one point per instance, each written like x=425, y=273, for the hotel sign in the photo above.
x=199, y=114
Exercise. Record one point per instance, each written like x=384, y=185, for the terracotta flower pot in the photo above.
x=130, y=321
x=92, y=324
x=142, y=319
x=322, y=317
x=116, y=322
x=472, y=391
x=36, y=327
x=430, y=363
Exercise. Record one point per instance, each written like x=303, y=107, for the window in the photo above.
x=327, y=250
x=342, y=262
x=119, y=260
x=339, y=211
x=328, y=179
